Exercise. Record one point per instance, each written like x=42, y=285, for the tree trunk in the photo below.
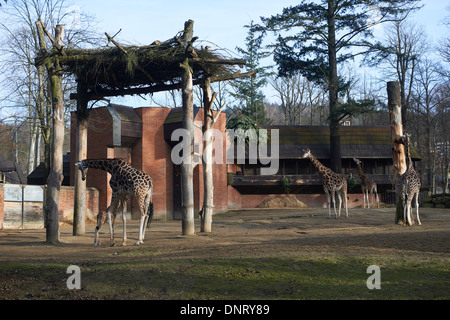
x=208, y=184
x=33, y=144
x=187, y=167
x=398, y=150
x=43, y=109
x=79, y=210
x=56, y=167
x=335, y=137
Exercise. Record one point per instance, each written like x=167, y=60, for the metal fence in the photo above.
x=23, y=207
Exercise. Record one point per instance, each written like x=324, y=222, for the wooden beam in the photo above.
x=220, y=61
x=110, y=39
x=99, y=94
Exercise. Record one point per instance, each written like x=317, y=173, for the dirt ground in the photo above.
x=245, y=233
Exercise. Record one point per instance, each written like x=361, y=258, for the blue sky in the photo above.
x=143, y=21
x=221, y=22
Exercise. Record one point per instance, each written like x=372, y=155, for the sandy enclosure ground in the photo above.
x=247, y=233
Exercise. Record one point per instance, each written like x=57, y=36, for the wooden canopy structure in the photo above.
x=128, y=70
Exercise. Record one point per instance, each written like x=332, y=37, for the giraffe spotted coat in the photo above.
x=333, y=184
x=125, y=182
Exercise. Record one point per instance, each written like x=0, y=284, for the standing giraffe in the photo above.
x=333, y=183
x=367, y=185
x=102, y=218
x=125, y=182
x=408, y=186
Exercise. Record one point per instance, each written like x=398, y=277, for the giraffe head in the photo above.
x=357, y=161
x=406, y=138
x=83, y=168
x=306, y=153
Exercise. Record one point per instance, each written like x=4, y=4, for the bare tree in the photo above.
x=443, y=133
x=26, y=84
x=425, y=107
x=404, y=46
x=291, y=90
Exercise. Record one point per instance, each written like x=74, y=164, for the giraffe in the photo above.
x=102, y=218
x=367, y=185
x=333, y=183
x=408, y=186
x=125, y=182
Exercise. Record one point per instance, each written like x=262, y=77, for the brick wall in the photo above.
x=99, y=140
x=66, y=201
x=152, y=154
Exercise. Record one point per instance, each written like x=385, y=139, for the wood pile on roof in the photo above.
x=121, y=70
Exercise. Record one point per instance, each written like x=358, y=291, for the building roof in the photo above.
x=356, y=141
x=13, y=172
x=174, y=121
x=126, y=123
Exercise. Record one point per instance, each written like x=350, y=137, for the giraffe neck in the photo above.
x=360, y=171
x=108, y=165
x=408, y=155
x=322, y=169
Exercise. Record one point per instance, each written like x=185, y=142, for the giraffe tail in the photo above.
x=150, y=213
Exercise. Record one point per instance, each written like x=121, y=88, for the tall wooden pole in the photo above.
x=79, y=210
x=398, y=150
x=208, y=184
x=56, y=166
x=187, y=167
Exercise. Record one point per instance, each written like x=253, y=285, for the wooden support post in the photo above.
x=187, y=167
x=56, y=167
x=208, y=184
x=79, y=209
x=398, y=150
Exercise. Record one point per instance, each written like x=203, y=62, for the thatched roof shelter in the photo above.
x=121, y=70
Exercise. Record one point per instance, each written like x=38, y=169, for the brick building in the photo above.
x=141, y=136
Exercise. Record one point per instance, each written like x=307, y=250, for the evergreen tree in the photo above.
x=247, y=91
x=315, y=36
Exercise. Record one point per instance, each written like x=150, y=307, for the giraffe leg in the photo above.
x=148, y=216
x=141, y=231
x=405, y=204
x=417, y=209
x=364, y=196
x=376, y=196
x=101, y=217
x=410, y=218
x=144, y=218
x=124, y=220
x=329, y=203
x=333, y=198
x=111, y=217
x=111, y=229
x=371, y=193
x=345, y=202
x=408, y=211
x=339, y=198
x=405, y=209
x=367, y=199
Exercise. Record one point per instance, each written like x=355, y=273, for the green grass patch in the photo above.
x=238, y=278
